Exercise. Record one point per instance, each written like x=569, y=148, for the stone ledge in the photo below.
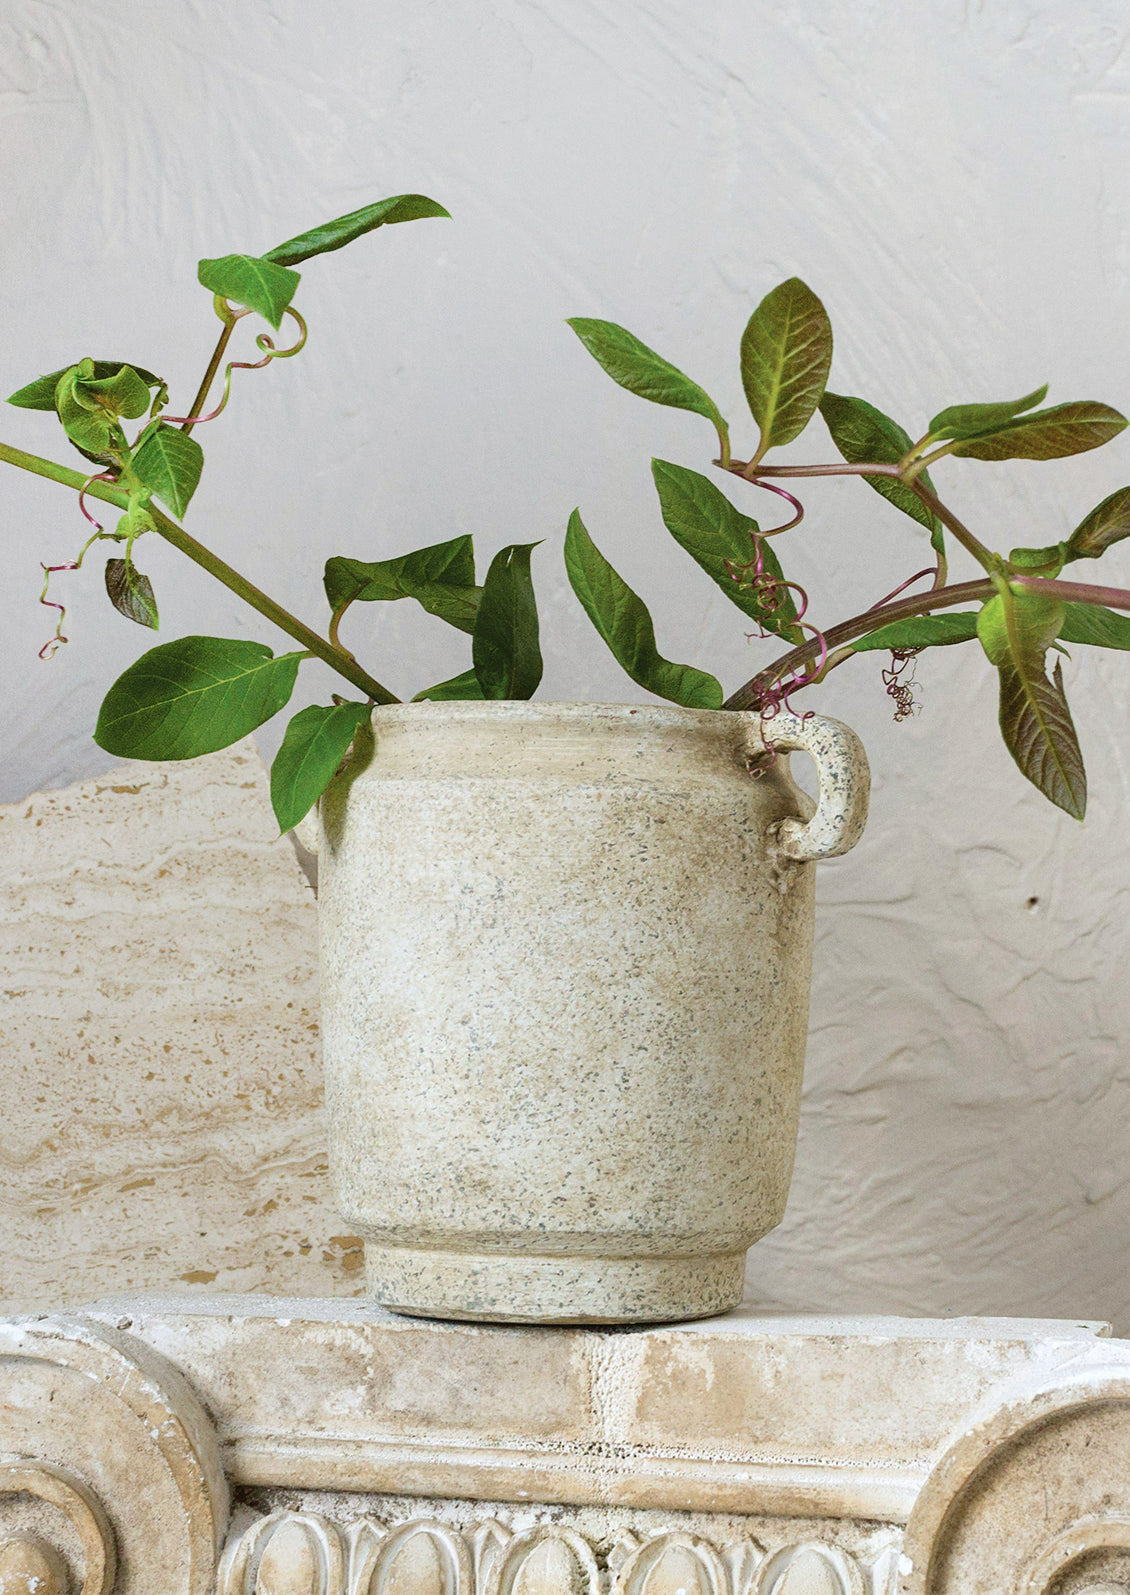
x=368, y=1454
x=748, y=1413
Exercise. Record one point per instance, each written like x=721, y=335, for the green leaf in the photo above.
x=252, y=281
x=1019, y=627
x=441, y=578
x=131, y=593
x=923, y=631
x=1046, y=434
x=786, y=356
x=504, y=644
x=123, y=393
x=1038, y=731
x=622, y=619
x=336, y=234
x=716, y=535
x=315, y=743
x=639, y=369
x=864, y=434
x=89, y=406
x=85, y=422
x=1016, y=629
x=1108, y=522
x=169, y=463
x=461, y=687
x=1096, y=625
x=966, y=420
x=40, y=394
x=193, y=696
x=1048, y=560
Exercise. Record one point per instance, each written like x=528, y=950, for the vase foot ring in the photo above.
x=510, y=1289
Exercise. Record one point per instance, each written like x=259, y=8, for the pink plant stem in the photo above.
x=233, y=365
x=795, y=502
x=931, y=570
x=1074, y=592
x=51, y=646
x=103, y=476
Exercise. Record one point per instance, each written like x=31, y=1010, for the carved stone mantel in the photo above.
x=259, y=1446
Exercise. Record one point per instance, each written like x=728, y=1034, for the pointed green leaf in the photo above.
x=1108, y=522
x=1019, y=627
x=1038, y=731
x=639, y=369
x=504, y=644
x=1096, y=625
x=1016, y=629
x=622, y=619
x=315, y=743
x=923, y=631
x=131, y=593
x=342, y=231
x=864, y=434
x=786, y=356
x=716, y=535
x=1046, y=434
x=169, y=463
x=457, y=688
x=40, y=394
x=441, y=578
x=193, y=696
x=252, y=281
x=966, y=420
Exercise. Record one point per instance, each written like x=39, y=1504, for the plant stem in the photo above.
x=739, y=468
x=965, y=537
x=336, y=658
x=210, y=374
x=1074, y=592
x=749, y=696
x=973, y=545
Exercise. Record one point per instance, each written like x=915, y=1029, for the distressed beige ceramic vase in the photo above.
x=566, y=958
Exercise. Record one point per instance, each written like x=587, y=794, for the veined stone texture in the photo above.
x=162, y=1118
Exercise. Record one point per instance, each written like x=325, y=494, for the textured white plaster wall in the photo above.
x=952, y=179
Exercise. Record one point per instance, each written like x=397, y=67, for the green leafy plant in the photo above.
x=199, y=694
x=1025, y=609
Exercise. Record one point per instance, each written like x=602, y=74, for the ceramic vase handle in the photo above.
x=845, y=784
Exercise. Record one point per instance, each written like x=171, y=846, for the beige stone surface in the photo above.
x=566, y=954
x=745, y=1413
x=364, y=1454
x=109, y=1465
x=162, y=1122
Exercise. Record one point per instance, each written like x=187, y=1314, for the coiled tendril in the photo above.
x=263, y=341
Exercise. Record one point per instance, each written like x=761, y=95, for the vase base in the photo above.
x=502, y=1289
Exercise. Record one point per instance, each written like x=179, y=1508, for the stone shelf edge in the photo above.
x=260, y=1446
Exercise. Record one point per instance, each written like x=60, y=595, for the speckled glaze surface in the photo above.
x=566, y=954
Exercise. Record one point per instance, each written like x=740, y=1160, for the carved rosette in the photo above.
x=1031, y=1499
x=110, y=1480
x=301, y=1553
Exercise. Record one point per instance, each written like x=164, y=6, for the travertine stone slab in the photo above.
x=162, y=1120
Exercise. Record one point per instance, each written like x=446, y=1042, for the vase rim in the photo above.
x=556, y=710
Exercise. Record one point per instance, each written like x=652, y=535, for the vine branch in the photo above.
x=336, y=658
